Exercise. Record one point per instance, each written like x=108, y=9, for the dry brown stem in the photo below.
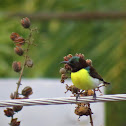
x=26, y=56
x=91, y=120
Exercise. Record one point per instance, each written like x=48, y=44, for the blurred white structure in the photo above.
x=53, y=115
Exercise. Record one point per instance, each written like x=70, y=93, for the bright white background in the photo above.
x=49, y=115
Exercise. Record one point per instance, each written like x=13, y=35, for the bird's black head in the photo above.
x=75, y=63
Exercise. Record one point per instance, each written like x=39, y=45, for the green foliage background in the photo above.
x=103, y=41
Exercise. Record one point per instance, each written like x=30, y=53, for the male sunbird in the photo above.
x=84, y=76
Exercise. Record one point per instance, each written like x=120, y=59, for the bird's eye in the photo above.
x=72, y=62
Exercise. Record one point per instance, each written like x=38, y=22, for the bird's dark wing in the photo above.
x=93, y=73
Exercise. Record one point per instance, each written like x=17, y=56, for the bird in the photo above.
x=83, y=75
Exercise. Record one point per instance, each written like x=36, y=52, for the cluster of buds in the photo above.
x=87, y=93
x=26, y=92
x=19, y=42
x=29, y=63
x=83, y=109
x=17, y=39
x=63, y=75
x=9, y=112
x=16, y=66
x=14, y=122
x=73, y=89
x=66, y=58
x=19, y=50
x=17, y=108
x=26, y=22
x=89, y=62
x=64, y=71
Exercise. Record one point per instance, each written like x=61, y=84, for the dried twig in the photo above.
x=91, y=120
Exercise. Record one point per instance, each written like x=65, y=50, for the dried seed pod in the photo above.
x=14, y=122
x=12, y=96
x=89, y=62
x=16, y=66
x=62, y=81
x=9, y=112
x=90, y=93
x=29, y=63
x=69, y=56
x=63, y=76
x=65, y=58
x=27, y=91
x=73, y=89
x=19, y=40
x=17, y=108
x=14, y=36
x=80, y=55
x=18, y=50
x=62, y=71
x=67, y=67
x=25, y=22
x=82, y=110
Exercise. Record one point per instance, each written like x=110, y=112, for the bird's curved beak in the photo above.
x=65, y=62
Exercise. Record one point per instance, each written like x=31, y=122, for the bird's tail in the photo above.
x=106, y=82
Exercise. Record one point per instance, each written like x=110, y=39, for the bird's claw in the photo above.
x=94, y=95
x=77, y=96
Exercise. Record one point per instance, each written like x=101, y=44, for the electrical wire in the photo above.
x=62, y=100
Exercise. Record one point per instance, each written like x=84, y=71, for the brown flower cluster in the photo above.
x=19, y=67
x=14, y=122
x=17, y=39
x=26, y=22
x=83, y=109
x=19, y=42
x=9, y=112
x=16, y=66
x=26, y=92
x=73, y=89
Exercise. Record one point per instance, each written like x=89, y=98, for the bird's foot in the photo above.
x=78, y=95
x=94, y=95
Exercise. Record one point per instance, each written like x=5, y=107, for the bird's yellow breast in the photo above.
x=82, y=80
